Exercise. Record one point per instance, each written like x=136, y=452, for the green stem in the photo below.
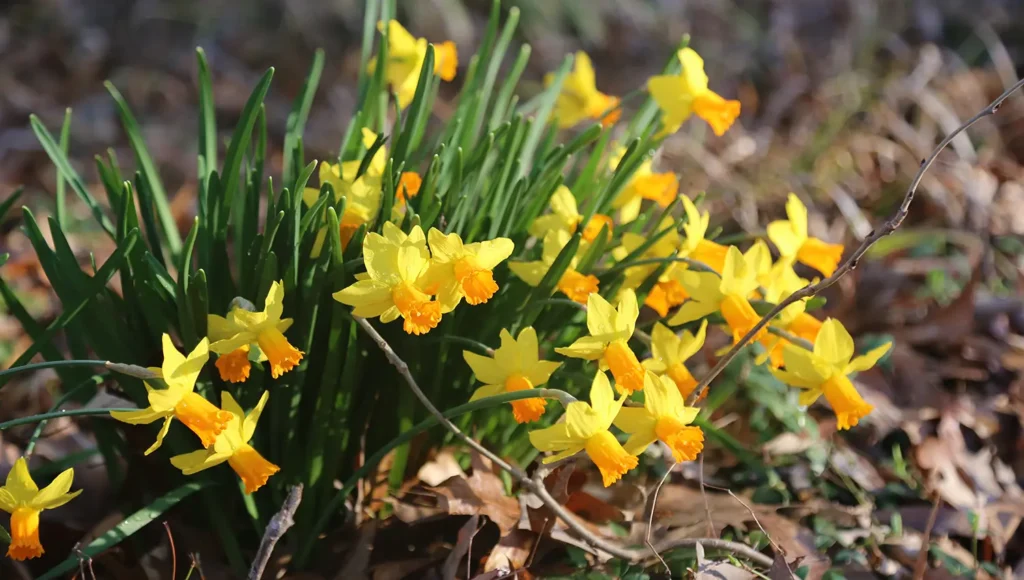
x=65, y=413
x=791, y=338
x=50, y=365
x=693, y=264
x=92, y=381
x=407, y=436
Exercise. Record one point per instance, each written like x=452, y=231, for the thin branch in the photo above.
x=278, y=525
x=536, y=484
x=804, y=343
x=851, y=262
x=650, y=516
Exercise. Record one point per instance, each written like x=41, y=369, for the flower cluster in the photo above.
x=406, y=279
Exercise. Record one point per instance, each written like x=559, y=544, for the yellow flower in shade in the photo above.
x=408, y=186
x=575, y=285
x=730, y=294
x=664, y=417
x=565, y=216
x=610, y=330
x=661, y=188
x=826, y=370
x=179, y=400
x=667, y=291
x=515, y=366
x=233, y=337
x=790, y=237
x=687, y=93
x=670, y=351
x=233, y=446
x=395, y=281
x=464, y=270
x=406, y=54
x=580, y=100
x=23, y=499
x=585, y=428
x=779, y=283
x=362, y=195
x=694, y=245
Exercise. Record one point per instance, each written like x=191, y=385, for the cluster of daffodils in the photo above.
x=242, y=338
x=404, y=278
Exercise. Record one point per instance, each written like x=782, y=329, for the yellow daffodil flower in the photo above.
x=779, y=283
x=661, y=188
x=232, y=446
x=233, y=338
x=670, y=351
x=667, y=292
x=362, y=195
x=580, y=100
x=790, y=237
x=573, y=284
x=406, y=54
x=394, y=282
x=730, y=294
x=826, y=370
x=23, y=499
x=464, y=270
x=664, y=417
x=687, y=93
x=694, y=245
x=610, y=330
x=179, y=400
x=515, y=366
x=565, y=216
x=408, y=187
x=585, y=428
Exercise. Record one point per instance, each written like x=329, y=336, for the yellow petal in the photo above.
x=867, y=360
x=485, y=368
x=160, y=435
x=834, y=344
x=20, y=483
x=249, y=423
x=369, y=297
x=554, y=438
x=530, y=272
x=587, y=347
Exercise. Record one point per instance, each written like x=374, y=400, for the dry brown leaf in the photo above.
x=511, y=552
x=481, y=493
x=439, y=469
x=717, y=569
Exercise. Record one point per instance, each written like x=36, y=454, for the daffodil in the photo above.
x=408, y=187
x=661, y=188
x=585, y=428
x=694, y=244
x=232, y=446
x=179, y=399
x=23, y=499
x=664, y=417
x=610, y=330
x=575, y=285
x=779, y=283
x=406, y=54
x=362, y=194
x=687, y=93
x=515, y=366
x=667, y=291
x=235, y=336
x=464, y=270
x=730, y=294
x=395, y=283
x=580, y=100
x=790, y=237
x=671, y=351
x=565, y=216
x=826, y=370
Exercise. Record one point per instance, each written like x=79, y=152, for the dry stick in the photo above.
x=278, y=525
x=650, y=517
x=850, y=263
x=536, y=484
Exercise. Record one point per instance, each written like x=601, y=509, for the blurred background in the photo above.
x=841, y=100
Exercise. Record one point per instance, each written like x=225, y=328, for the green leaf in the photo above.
x=296, y=123
x=207, y=120
x=64, y=169
x=7, y=204
x=236, y=149
x=540, y=121
x=128, y=527
x=154, y=186
x=65, y=137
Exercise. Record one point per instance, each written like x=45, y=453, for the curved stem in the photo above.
x=791, y=338
x=58, y=414
x=405, y=437
x=92, y=381
x=51, y=364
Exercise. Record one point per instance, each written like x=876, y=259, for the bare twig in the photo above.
x=278, y=525
x=851, y=262
x=921, y=565
x=536, y=484
x=650, y=516
x=174, y=552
